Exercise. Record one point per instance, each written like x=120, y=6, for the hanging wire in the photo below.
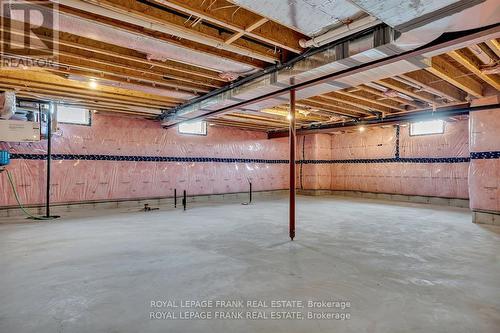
x=16, y=196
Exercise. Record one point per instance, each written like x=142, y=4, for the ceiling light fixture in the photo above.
x=93, y=83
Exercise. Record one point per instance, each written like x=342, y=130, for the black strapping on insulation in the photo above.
x=301, y=164
x=128, y=158
x=397, y=140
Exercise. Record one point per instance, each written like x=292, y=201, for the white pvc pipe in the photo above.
x=340, y=32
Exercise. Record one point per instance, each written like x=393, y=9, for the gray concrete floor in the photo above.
x=403, y=268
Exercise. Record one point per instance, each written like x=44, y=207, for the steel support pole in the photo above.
x=291, y=116
x=184, y=200
x=49, y=158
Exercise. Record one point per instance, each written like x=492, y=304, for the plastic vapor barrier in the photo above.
x=378, y=160
x=127, y=158
x=115, y=159
x=315, y=176
x=484, y=172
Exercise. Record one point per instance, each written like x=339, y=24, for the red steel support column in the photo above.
x=291, y=116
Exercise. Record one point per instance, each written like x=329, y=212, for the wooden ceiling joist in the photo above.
x=333, y=110
x=248, y=29
x=92, y=48
x=154, y=18
x=450, y=73
x=61, y=95
x=407, y=90
x=352, y=100
x=473, y=64
x=338, y=103
x=185, y=44
x=494, y=45
x=87, y=62
x=48, y=82
x=435, y=85
x=365, y=96
x=380, y=94
x=241, y=21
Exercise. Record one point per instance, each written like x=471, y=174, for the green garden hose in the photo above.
x=11, y=181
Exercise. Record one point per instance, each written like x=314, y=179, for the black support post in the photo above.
x=49, y=160
x=175, y=198
x=184, y=201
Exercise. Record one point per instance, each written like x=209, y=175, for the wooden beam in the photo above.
x=143, y=72
x=172, y=67
x=71, y=97
x=29, y=79
x=187, y=45
x=334, y=110
x=242, y=124
x=68, y=62
x=370, y=100
x=246, y=30
x=337, y=102
x=61, y=94
x=145, y=16
x=267, y=122
x=398, y=99
x=408, y=91
x=435, y=85
x=110, y=68
x=494, y=45
x=240, y=20
x=481, y=52
x=473, y=65
x=446, y=71
x=352, y=100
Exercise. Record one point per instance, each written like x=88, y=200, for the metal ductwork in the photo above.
x=7, y=104
x=372, y=44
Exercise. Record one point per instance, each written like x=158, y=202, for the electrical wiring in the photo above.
x=16, y=195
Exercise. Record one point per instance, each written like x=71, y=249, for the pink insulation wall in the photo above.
x=316, y=147
x=433, y=165
x=377, y=160
x=76, y=180
x=484, y=172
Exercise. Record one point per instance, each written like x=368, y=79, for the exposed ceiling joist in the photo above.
x=361, y=97
x=150, y=17
x=351, y=99
x=406, y=90
x=175, y=68
x=435, y=85
x=334, y=102
x=241, y=21
x=446, y=71
x=473, y=65
x=381, y=95
x=494, y=45
x=250, y=28
x=187, y=45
